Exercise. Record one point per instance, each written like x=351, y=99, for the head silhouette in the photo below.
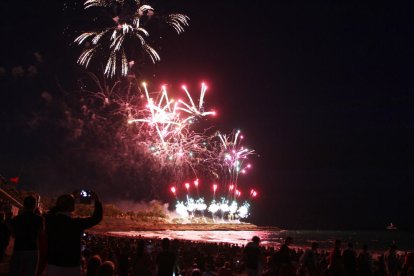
x=256, y=239
x=165, y=243
x=29, y=203
x=65, y=203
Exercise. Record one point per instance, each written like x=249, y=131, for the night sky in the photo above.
x=323, y=93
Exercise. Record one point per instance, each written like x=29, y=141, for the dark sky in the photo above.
x=323, y=92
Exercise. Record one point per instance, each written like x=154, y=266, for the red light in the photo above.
x=187, y=185
x=214, y=187
x=173, y=190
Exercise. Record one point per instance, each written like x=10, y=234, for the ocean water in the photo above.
x=376, y=240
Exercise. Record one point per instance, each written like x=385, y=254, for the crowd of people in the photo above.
x=56, y=244
x=139, y=256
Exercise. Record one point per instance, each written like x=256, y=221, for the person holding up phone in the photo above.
x=63, y=234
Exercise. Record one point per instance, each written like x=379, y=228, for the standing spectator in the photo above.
x=391, y=261
x=166, y=259
x=209, y=271
x=349, y=259
x=253, y=257
x=364, y=262
x=26, y=228
x=284, y=259
x=408, y=265
x=142, y=262
x=93, y=265
x=123, y=261
x=63, y=233
x=335, y=267
x=309, y=261
x=225, y=270
x=4, y=236
x=106, y=269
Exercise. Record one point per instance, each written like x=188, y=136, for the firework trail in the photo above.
x=126, y=31
x=232, y=157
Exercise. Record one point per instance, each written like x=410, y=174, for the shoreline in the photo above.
x=116, y=224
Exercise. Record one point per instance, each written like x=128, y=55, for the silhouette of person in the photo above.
x=365, y=262
x=253, y=257
x=106, y=269
x=350, y=260
x=166, y=259
x=391, y=261
x=335, y=260
x=309, y=261
x=93, y=265
x=142, y=260
x=63, y=234
x=26, y=229
x=4, y=236
x=284, y=258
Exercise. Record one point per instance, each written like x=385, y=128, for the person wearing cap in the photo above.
x=253, y=257
x=63, y=235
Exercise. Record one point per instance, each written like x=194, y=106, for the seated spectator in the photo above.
x=64, y=232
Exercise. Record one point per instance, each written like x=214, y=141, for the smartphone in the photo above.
x=85, y=196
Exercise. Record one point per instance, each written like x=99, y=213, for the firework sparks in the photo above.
x=163, y=128
x=167, y=127
x=232, y=157
x=228, y=210
x=122, y=35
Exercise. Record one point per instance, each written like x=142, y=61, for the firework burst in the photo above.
x=124, y=33
x=167, y=126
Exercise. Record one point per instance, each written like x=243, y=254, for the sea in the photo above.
x=377, y=241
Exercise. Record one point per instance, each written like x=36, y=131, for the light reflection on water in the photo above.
x=376, y=240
